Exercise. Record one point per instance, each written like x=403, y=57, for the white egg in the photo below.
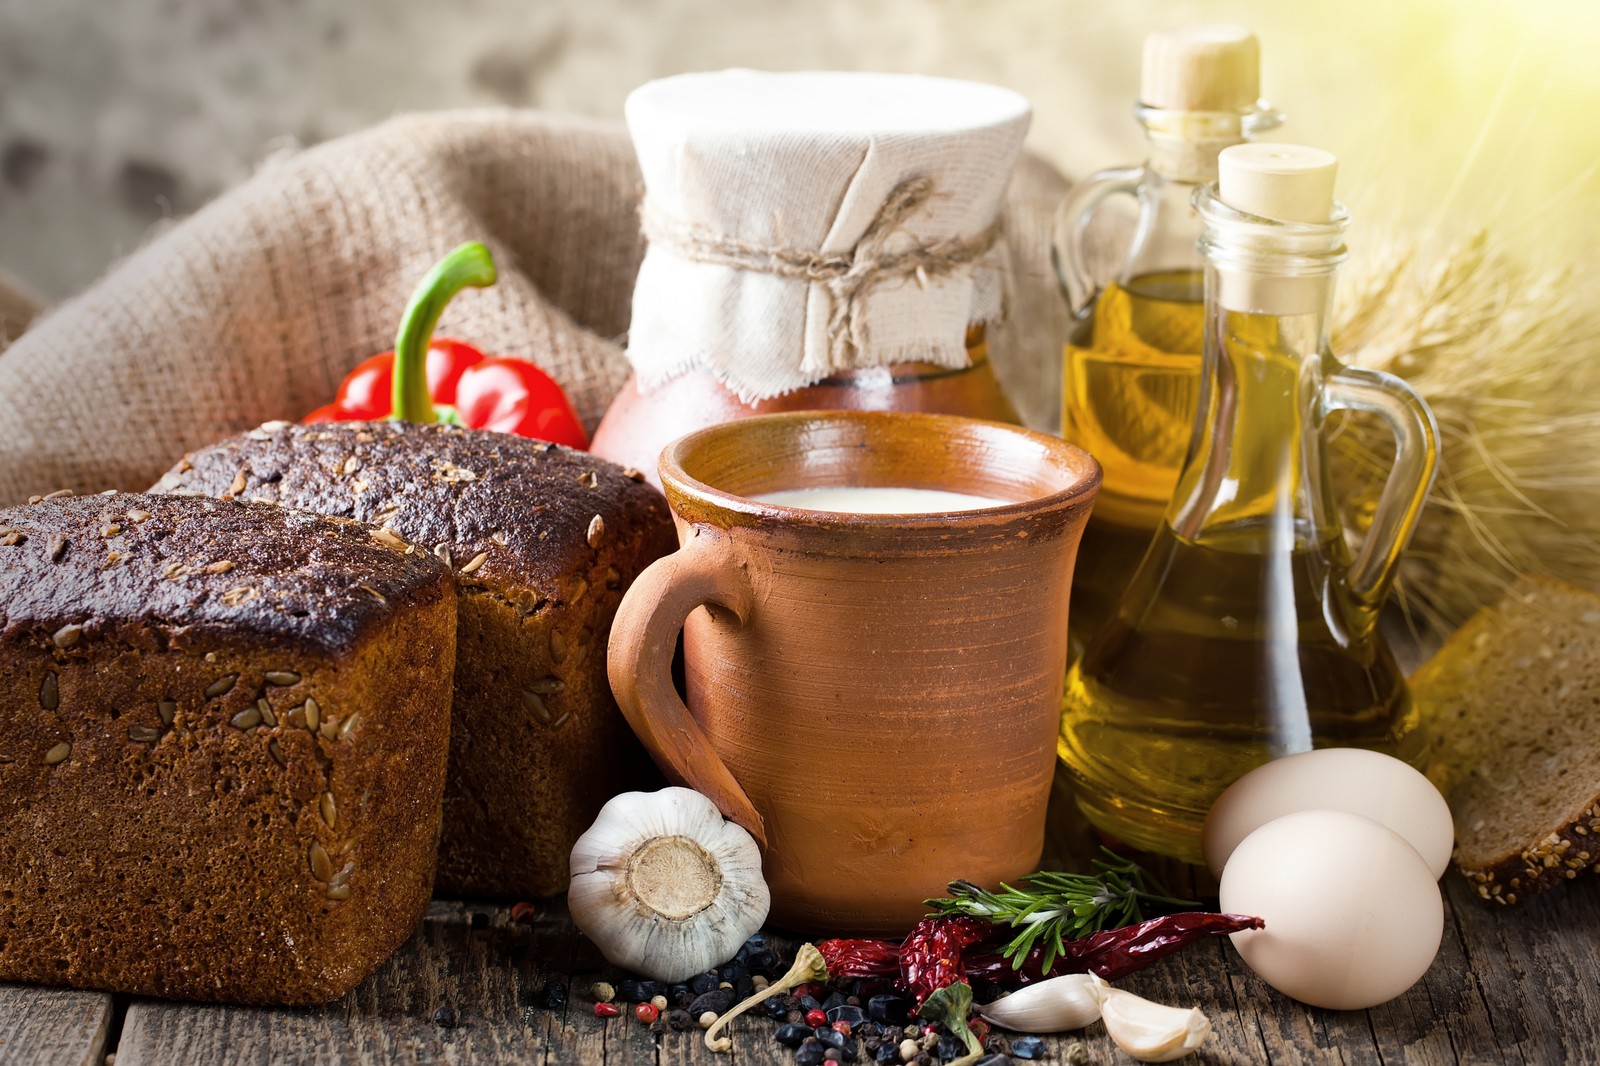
x=1353, y=915
x=1355, y=780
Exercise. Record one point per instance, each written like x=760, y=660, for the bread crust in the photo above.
x=543, y=541
x=211, y=794
x=1559, y=856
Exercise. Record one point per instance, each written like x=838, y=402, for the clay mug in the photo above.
x=874, y=697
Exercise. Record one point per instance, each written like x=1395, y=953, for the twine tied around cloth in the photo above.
x=849, y=276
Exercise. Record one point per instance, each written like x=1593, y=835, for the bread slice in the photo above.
x=543, y=541
x=222, y=747
x=1513, y=699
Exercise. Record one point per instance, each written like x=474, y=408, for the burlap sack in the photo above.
x=18, y=307
x=255, y=307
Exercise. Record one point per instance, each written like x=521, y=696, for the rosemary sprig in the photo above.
x=1057, y=907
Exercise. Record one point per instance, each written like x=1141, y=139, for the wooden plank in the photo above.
x=51, y=1026
x=489, y=976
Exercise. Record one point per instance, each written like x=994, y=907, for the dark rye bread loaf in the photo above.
x=222, y=730
x=1513, y=698
x=543, y=541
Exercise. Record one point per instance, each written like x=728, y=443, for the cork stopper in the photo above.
x=1285, y=182
x=1203, y=67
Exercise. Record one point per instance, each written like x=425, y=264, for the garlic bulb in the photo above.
x=1151, y=1032
x=665, y=886
x=1058, y=1005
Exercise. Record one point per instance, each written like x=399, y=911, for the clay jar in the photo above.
x=874, y=697
x=639, y=424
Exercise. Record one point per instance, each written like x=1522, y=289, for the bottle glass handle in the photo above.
x=1067, y=249
x=1416, y=460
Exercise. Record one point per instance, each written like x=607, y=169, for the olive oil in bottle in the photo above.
x=1248, y=632
x=1132, y=370
x=1222, y=658
x=1130, y=391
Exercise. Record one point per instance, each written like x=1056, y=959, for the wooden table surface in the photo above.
x=1510, y=985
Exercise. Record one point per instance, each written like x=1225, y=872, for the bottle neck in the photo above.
x=1183, y=147
x=1255, y=477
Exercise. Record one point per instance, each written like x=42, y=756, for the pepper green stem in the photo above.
x=471, y=264
x=808, y=966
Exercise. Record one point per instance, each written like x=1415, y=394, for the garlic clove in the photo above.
x=665, y=886
x=1058, y=1005
x=1151, y=1032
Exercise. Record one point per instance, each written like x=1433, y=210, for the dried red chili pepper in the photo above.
x=931, y=957
x=860, y=960
x=1113, y=953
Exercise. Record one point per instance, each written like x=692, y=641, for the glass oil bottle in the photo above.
x=1249, y=631
x=1132, y=368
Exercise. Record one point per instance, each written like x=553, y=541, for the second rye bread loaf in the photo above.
x=543, y=540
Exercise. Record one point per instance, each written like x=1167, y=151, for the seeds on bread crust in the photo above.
x=328, y=809
x=1555, y=858
x=282, y=678
x=535, y=705
x=50, y=692
x=388, y=539
x=221, y=686
x=58, y=753
x=321, y=863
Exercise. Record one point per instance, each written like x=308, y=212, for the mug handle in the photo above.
x=703, y=572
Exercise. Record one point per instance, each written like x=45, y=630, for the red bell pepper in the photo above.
x=427, y=379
